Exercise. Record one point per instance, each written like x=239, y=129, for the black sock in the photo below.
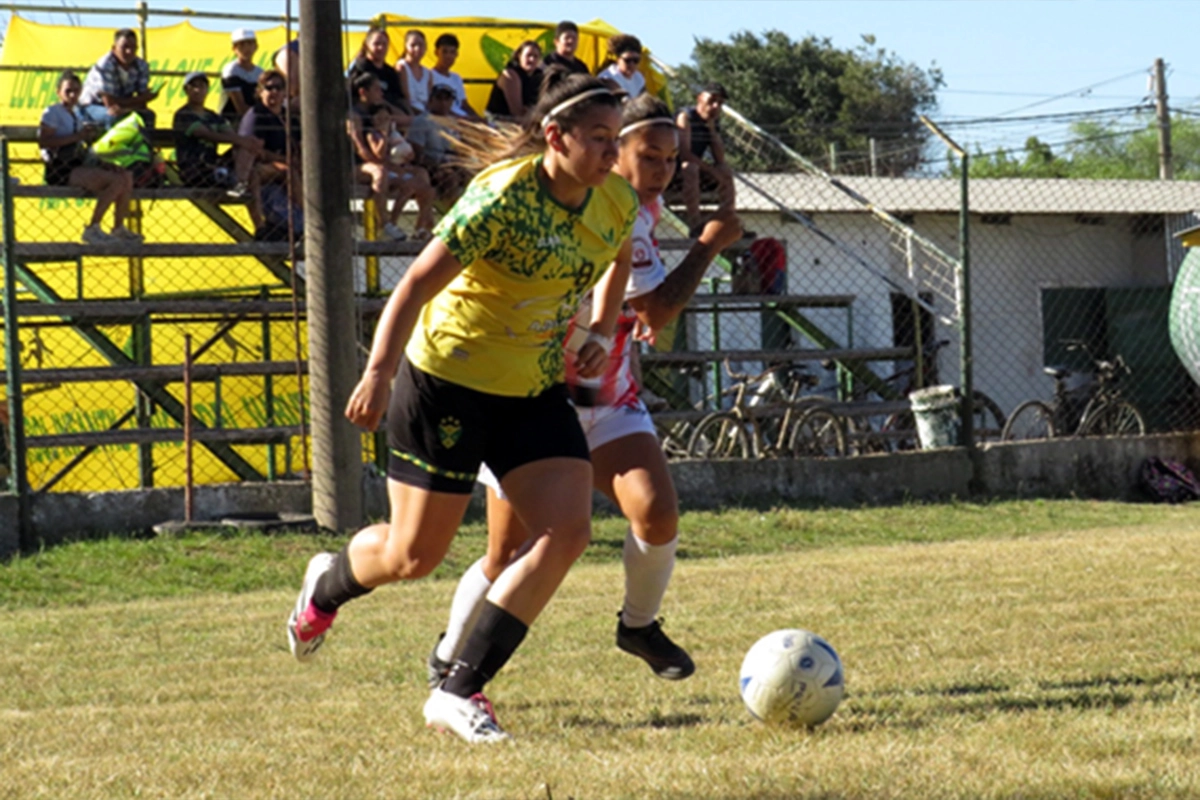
x=492, y=641
x=337, y=586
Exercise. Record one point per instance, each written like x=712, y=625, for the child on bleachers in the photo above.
x=63, y=137
x=239, y=78
x=198, y=131
x=374, y=166
x=446, y=50
x=415, y=80
x=372, y=58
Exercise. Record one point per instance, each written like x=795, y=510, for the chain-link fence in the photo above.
x=1070, y=286
x=849, y=296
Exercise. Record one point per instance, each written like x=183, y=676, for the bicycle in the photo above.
x=899, y=429
x=764, y=422
x=1094, y=409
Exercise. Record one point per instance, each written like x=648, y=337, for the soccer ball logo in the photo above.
x=792, y=678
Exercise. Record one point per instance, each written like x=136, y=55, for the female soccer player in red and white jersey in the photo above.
x=472, y=336
x=627, y=461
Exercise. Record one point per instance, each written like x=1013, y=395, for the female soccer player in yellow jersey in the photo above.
x=627, y=462
x=475, y=328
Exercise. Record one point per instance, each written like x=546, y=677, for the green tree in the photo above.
x=811, y=95
x=1099, y=151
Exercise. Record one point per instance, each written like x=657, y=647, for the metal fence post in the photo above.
x=18, y=478
x=966, y=370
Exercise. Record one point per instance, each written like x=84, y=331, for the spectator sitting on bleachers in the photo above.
x=265, y=121
x=63, y=138
x=415, y=80
x=700, y=136
x=372, y=58
x=287, y=63
x=118, y=83
x=566, y=41
x=432, y=150
x=239, y=78
x=516, y=89
x=198, y=131
x=446, y=51
x=376, y=166
x=625, y=71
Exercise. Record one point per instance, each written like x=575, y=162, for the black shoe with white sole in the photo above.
x=667, y=659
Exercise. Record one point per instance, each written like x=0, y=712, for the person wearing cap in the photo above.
x=625, y=71
x=432, y=150
x=702, y=164
x=119, y=83
x=239, y=78
x=566, y=42
x=198, y=131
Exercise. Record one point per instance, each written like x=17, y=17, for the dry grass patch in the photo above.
x=1062, y=665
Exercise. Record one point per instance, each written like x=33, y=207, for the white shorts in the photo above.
x=601, y=425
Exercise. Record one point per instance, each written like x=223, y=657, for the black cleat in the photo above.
x=436, y=669
x=667, y=659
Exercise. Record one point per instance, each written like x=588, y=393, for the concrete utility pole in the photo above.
x=1166, y=169
x=328, y=248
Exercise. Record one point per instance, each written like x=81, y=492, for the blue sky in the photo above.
x=1051, y=56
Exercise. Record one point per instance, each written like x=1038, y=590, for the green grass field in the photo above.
x=1030, y=649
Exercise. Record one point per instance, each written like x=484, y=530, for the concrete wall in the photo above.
x=1093, y=468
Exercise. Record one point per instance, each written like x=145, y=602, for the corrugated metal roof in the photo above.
x=987, y=195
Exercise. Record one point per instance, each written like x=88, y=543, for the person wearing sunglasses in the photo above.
x=625, y=71
x=276, y=163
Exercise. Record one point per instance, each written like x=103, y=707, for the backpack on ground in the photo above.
x=1168, y=481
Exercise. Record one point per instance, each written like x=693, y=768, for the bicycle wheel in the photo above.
x=987, y=417
x=900, y=432
x=720, y=435
x=675, y=440
x=1033, y=419
x=1118, y=418
x=818, y=434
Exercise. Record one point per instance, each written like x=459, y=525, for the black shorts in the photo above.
x=440, y=432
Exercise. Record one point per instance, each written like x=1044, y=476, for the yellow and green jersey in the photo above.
x=527, y=260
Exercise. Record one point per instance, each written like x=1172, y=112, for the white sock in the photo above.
x=647, y=572
x=468, y=600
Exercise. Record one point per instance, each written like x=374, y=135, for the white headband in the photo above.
x=565, y=104
x=645, y=123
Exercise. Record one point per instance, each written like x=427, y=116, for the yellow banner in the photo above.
x=485, y=47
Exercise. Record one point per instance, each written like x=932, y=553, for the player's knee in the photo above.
x=568, y=541
x=659, y=517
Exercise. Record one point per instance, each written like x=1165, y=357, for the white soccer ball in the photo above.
x=792, y=678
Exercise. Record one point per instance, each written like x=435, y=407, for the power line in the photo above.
x=1073, y=92
x=1062, y=116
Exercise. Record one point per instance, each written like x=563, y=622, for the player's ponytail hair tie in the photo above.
x=645, y=123
x=570, y=101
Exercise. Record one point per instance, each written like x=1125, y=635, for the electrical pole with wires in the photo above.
x=1166, y=169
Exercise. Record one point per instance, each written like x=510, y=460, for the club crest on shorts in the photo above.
x=449, y=431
